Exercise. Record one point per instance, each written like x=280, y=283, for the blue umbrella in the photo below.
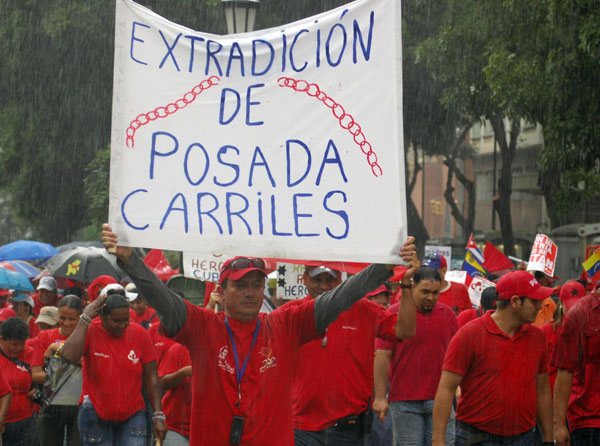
x=12, y=280
x=26, y=250
x=21, y=266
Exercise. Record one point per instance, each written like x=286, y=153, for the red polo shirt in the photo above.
x=19, y=380
x=267, y=381
x=112, y=370
x=424, y=351
x=578, y=351
x=499, y=375
x=551, y=337
x=146, y=319
x=336, y=380
x=177, y=402
x=456, y=296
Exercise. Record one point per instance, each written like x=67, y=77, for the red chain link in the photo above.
x=163, y=112
x=346, y=120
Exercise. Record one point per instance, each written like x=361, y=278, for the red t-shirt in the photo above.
x=160, y=341
x=146, y=319
x=4, y=386
x=267, y=381
x=499, y=375
x=335, y=381
x=551, y=338
x=112, y=370
x=578, y=351
x=19, y=380
x=177, y=402
x=424, y=351
x=34, y=328
x=456, y=296
x=42, y=342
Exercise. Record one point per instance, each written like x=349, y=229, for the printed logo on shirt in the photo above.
x=133, y=357
x=23, y=369
x=270, y=359
x=102, y=355
x=348, y=327
x=223, y=352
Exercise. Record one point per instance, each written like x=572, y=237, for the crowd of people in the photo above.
x=372, y=360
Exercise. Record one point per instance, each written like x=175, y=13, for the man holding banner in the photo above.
x=242, y=362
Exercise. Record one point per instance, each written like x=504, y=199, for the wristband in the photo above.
x=86, y=319
x=159, y=415
x=405, y=286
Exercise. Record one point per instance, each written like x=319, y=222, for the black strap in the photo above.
x=478, y=311
x=17, y=361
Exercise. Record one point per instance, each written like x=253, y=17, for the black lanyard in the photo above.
x=240, y=371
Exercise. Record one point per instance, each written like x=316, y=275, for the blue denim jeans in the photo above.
x=97, y=432
x=21, y=433
x=332, y=436
x=413, y=423
x=529, y=438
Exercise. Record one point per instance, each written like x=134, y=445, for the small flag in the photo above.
x=474, y=259
x=592, y=266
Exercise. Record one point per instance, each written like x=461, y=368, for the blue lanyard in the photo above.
x=240, y=371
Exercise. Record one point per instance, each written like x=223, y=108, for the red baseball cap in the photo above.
x=571, y=292
x=238, y=267
x=521, y=284
x=380, y=290
x=7, y=313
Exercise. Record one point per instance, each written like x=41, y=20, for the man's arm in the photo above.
x=172, y=380
x=170, y=307
x=381, y=368
x=544, y=405
x=442, y=405
x=406, y=324
x=562, y=393
x=331, y=303
x=154, y=395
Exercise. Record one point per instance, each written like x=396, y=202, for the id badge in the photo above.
x=237, y=429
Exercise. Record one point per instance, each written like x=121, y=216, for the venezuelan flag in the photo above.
x=592, y=266
x=473, y=263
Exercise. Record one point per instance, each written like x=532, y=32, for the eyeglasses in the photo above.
x=243, y=263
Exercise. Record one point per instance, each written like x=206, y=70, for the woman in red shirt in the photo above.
x=20, y=427
x=65, y=378
x=118, y=358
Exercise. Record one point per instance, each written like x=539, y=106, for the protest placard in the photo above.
x=283, y=143
x=458, y=276
x=476, y=287
x=444, y=251
x=290, y=282
x=543, y=255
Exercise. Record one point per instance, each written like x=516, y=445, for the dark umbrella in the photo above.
x=84, y=264
x=26, y=250
x=72, y=245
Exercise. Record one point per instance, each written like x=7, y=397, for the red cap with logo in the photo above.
x=571, y=292
x=238, y=267
x=521, y=284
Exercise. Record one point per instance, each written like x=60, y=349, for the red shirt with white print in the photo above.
x=19, y=380
x=177, y=402
x=43, y=340
x=267, y=381
x=160, y=341
x=112, y=370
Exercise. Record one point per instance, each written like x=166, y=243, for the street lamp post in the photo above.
x=239, y=15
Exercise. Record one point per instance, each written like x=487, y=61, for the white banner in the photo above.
x=284, y=142
x=476, y=287
x=543, y=255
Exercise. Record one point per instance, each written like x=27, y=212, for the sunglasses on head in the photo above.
x=243, y=263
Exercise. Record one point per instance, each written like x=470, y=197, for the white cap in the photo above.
x=47, y=283
x=24, y=298
x=116, y=286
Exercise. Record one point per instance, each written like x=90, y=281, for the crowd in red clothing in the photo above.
x=134, y=372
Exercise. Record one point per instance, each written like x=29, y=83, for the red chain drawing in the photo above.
x=163, y=112
x=346, y=120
